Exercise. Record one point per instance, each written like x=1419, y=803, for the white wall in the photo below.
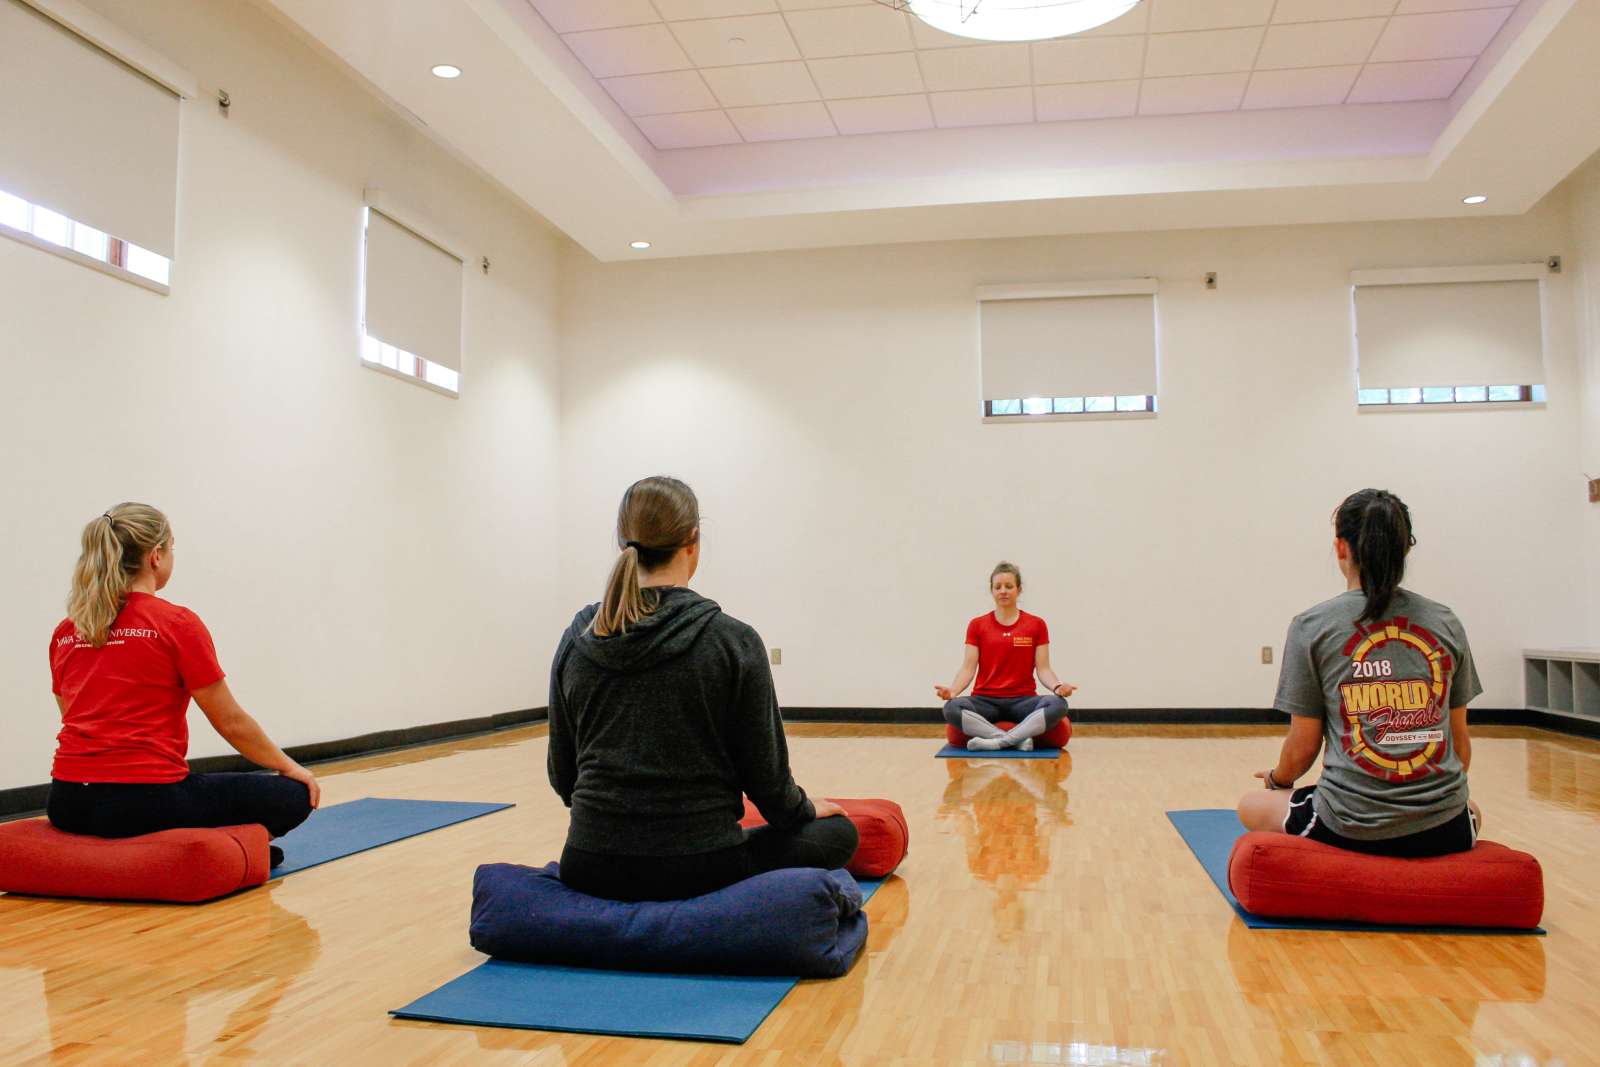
x=368, y=554
x=825, y=406
x=1584, y=190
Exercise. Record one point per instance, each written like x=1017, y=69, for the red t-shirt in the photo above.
x=128, y=701
x=1005, y=654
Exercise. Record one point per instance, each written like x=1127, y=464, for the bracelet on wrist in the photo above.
x=1272, y=781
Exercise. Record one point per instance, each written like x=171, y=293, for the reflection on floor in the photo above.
x=1029, y=925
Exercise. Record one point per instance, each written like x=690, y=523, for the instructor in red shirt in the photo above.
x=124, y=664
x=1005, y=649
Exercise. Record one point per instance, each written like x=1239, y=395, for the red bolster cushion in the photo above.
x=184, y=866
x=880, y=824
x=1055, y=737
x=1287, y=877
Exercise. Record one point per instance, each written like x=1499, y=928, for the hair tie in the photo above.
x=106, y=515
x=636, y=546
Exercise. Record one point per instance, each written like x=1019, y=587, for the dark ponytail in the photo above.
x=658, y=516
x=1376, y=525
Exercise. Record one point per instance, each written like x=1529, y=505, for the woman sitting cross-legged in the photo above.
x=1378, y=680
x=1005, y=649
x=125, y=664
x=662, y=713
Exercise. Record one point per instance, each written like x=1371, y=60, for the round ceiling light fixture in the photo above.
x=447, y=70
x=1475, y=199
x=1014, y=20
x=639, y=246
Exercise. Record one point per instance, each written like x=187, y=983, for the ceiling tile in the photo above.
x=1095, y=59
x=850, y=31
x=639, y=50
x=1183, y=96
x=857, y=76
x=1327, y=10
x=990, y=66
x=673, y=10
x=1136, y=21
x=1319, y=44
x=736, y=41
x=983, y=107
x=1173, y=16
x=1442, y=36
x=928, y=37
x=698, y=129
x=884, y=114
x=1413, y=7
x=761, y=84
x=1204, y=52
x=660, y=94
x=1100, y=100
x=783, y=122
x=1432, y=79
x=572, y=16
x=1319, y=87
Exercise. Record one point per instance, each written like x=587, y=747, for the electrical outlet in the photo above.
x=1266, y=653
x=777, y=657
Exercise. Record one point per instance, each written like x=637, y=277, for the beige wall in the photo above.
x=367, y=553
x=824, y=404
x=1584, y=190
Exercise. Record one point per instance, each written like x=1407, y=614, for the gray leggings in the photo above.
x=1007, y=709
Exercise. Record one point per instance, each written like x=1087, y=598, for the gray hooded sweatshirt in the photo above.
x=655, y=733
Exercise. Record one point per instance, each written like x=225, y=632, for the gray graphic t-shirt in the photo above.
x=1384, y=691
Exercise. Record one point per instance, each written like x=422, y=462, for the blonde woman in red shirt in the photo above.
x=1005, y=649
x=124, y=665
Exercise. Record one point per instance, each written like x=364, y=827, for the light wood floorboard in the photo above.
x=1047, y=914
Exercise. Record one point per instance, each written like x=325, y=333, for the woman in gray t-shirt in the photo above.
x=1383, y=676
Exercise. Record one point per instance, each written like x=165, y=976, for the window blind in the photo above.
x=83, y=134
x=1095, y=345
x=1450, y=333
x=413, y=292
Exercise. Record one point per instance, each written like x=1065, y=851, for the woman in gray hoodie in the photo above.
x=662, y=717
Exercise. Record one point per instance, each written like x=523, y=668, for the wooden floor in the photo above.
x=1047, y=914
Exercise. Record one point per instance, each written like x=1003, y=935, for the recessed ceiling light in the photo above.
x=639, y=246
x=1474, y=199
x=446, y=70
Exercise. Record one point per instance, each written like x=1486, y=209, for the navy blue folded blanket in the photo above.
x=804, y=922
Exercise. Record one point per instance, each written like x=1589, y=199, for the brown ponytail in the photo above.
x=114, y=549
x=1376, y=525
x=658, y=516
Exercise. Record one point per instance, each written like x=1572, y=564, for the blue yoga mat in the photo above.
x=535, y=996
x=345, y=829
x=952, y=752
x=1210, y=834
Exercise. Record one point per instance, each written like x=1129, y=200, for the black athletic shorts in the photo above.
x=1457, y=835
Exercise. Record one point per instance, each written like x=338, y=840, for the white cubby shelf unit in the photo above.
x=1563, y=681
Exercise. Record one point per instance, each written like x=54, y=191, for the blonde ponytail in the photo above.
x=658, y=516
x=115, y=545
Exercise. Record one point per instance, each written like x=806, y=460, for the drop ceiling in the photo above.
x=708, y=126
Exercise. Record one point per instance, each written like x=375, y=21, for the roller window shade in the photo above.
x=413, y=292
x=1453, y=333
x=85, y=135
x=1069, y=346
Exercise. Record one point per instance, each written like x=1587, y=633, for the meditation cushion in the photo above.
x=1055, y=737
x=801, y=922
x=1282, y=876
x=880, y=826
x=184, y=866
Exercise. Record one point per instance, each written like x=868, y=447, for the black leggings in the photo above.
x=827, y=843
x=128, y=809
